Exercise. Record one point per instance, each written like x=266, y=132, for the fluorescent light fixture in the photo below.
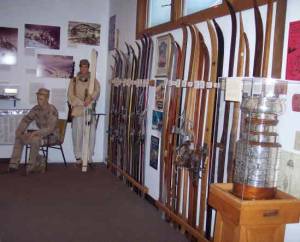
x=10, y=91
x=9, y=59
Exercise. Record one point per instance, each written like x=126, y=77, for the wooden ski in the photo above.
x=278, y=38
x=88, y=115
x=236, y=105
x=177, y=184
x=168, y=122
x=188, y=132
x=209, y=123
x=212, y=171
x=201, y=76
x=258, y=42
x=220, y=166
x=266, y=54
x=223, y=142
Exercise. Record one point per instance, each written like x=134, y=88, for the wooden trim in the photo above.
x=141, y=15
x=4, y=160
x=176, y=10
x=129, y=178
x=280, y=20
x=182, y=222
x=215, y=12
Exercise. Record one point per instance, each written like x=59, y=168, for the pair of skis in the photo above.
x=88, y=115
x=189, y=132
x=127, y=123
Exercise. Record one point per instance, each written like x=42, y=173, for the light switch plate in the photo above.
x=297, y=141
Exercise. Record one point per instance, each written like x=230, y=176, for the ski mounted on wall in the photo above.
x=128, y=112
x=223, y=143
x=212, y=171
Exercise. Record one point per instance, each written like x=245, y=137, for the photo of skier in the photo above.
x=42, y=36
x=8, y=46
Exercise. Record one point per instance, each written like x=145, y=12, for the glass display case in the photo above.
x=257, y=149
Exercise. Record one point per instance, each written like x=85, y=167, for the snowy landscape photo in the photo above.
x=42, y=36
x=55, y=66
x=83, y=33
x=8, y=46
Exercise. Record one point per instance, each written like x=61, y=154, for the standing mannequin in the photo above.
x=78, y=99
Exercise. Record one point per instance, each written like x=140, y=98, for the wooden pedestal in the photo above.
x=251, y=221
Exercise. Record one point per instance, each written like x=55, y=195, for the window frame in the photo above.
x=177, y=18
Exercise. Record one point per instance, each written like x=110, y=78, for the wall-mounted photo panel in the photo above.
x=157, y=120
x=293, y=62
x=42, y=36
x=154, y=149
x=9, y=121
x=8, y=46
x=112, y=33
x=56, y=66
x=160, y=94
x=83, y=33
x=163, y=55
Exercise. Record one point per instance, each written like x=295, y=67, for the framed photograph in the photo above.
x=55, y=66
x=83, y=33
x=160, y=94
x=8, y=46
x=42, y=36
x=154, y=149
x=163, y=55
x=293, y=55
x=112, y=33
x=296, y=103
x=157, y=120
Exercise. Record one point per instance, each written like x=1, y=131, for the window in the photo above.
x=159, y=12
x=159, y=16
x=192, y=6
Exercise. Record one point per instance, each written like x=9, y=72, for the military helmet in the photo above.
x=84, y=62
x=43, y=91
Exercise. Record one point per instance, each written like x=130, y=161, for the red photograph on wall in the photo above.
x=293, y=55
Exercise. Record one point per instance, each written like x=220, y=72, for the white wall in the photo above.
x=56, y=13
x=125, y=11
x=293, y=13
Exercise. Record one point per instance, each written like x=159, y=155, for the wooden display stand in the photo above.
x=251, y=220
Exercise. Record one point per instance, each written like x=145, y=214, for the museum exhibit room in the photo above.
x=150, y=121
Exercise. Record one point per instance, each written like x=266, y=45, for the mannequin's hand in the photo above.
x=88, y=101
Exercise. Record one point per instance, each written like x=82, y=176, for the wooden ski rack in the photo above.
x=143, y=189
x=182, y=222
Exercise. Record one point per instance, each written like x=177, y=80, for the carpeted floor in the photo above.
x=66, y=205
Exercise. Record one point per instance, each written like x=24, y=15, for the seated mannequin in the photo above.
x=45, y=115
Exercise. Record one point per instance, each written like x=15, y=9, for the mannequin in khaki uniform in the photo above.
x=45, y=115
x=78, y=99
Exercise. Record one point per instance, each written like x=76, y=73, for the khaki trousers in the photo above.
x=35, y=161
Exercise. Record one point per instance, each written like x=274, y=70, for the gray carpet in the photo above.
x=66, y=205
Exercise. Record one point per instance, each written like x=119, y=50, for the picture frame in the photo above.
x=163, y=55
x=157, y=120
x=154, y=150
x=42, y=36
x=83, y=33
x=8, y=45
x=55, y=66
x=293, y=52
x=112, y=33
x=160, y=89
